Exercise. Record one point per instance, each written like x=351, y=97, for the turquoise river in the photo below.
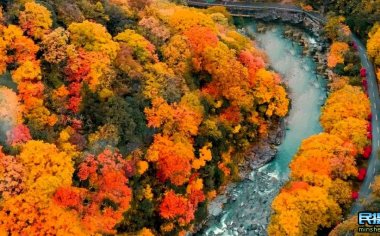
x=247, y=211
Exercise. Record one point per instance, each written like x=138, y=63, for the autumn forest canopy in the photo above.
x=124, y=116
x=127, y=117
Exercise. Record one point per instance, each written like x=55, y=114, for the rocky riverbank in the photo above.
x=264, y=150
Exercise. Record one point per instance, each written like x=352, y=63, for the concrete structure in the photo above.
x=270, y=12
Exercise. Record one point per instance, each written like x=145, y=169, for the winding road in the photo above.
x=373, y=92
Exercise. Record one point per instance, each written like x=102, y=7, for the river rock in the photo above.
x=216, y=207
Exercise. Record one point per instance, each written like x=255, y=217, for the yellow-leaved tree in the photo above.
x=33, y=212
x=373, y=43
x=354, y=130
x=347, y=102
x=300, y=209
x=35, y=20
x=93, y=37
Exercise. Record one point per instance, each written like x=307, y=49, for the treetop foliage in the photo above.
x=126, y=116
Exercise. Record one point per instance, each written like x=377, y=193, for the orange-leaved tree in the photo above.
x=336, y=54
x=109, y=195
x=322, y=157
x=173, y=158
x=176, y=207
x=173, y=118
